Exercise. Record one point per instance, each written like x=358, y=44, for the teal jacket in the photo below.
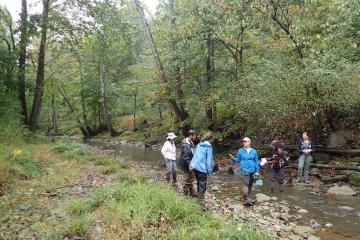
x=203, y=158
x=249, y=162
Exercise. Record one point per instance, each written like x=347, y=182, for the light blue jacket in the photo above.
x=203, y=158
x=249, y=162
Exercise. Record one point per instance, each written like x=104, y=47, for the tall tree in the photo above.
x=39, y=88
x=22, y=60
x=181, y=116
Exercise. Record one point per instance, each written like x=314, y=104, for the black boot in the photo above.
x=282, y=187
x=174, y=177
x=168, y=177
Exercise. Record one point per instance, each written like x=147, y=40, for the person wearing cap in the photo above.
x=169, y=153
x=276, y=163
x=187, y=152
x=248, y=160
x=202, y=163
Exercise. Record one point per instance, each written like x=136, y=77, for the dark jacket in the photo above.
x=186, y=155
x=301, y=147
x=278, y=158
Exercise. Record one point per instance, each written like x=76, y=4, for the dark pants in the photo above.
x=188, y=187
x=248, y=180
x=277, y=174
x=201, y=179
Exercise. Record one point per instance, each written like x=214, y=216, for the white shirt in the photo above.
x=169, y=150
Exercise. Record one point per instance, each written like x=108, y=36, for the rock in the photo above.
x=329, y=225
x=313, y=238
x=294, y=237
x=24, y=207
x=215, y=188
x=346, y=208
x=314, y=224
x=303, y=230
x=274, y=198
x=123, y=142
x=260, y=197
x=302, y=211
x=341, y=190
x=284, y=209
x=339, y=138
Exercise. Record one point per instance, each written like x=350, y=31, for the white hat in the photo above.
x=171, y=136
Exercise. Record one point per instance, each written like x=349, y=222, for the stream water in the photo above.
x=323, y=208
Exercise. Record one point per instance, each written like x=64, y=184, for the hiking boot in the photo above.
x=168, y=177
x=174, y=178
x=281, y=187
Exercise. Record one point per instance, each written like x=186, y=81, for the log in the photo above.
x=326, y=166
x=335, y=179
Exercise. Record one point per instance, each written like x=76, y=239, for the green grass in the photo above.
x=128, y=206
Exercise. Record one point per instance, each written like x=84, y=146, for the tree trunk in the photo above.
x=84, y=131
x=210, y=69
x=181, y=116
x=22, y=60
x=39, y=89
x=53, y=128
x=83, y=108
x=105, y=111
x=135, y=110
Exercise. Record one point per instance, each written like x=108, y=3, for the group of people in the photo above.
x=196, y=160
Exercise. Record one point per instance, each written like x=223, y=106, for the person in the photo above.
x=305, y=149
x=202, y=163
x=169, y=153
x=248, y=159
x=276, y=162
x=187, y=152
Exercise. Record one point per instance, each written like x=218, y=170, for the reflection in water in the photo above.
x=325, y=209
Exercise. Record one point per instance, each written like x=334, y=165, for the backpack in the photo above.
x=286, y=158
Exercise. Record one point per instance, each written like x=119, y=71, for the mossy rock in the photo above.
x=354, y=178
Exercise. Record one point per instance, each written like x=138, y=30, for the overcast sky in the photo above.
x=14, y=6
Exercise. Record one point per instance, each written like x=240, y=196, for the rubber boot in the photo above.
x=174, y=178
x=271, y=187
x=192, y=192
x=168, y=177
x=281, y=187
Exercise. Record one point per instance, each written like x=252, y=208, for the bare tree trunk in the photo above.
x=181, y=116
x=135, y=110
x=22, y=60
x=54, y=127
x=39, y=89
x=106, y=113
x=210, y=70
x=83, y=108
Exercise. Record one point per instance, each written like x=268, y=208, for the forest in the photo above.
x=259, y=68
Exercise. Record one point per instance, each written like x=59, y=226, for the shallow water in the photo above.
x=323, y=208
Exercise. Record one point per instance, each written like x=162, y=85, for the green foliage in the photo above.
x=354, y=178
x=72, y=150
x=81, y=225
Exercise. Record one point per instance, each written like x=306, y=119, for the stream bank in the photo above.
x=301, y=212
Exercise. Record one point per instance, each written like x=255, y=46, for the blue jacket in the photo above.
x=203, y=158
x=249, y=162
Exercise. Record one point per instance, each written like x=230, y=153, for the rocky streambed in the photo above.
x=304, y=211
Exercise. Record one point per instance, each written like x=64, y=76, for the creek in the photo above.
x=321, y=207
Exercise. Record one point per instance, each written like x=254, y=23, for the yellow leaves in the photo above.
x=16, y=152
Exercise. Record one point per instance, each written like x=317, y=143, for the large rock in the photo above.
x=260, y=197
x=338, y=139
x=341, y=190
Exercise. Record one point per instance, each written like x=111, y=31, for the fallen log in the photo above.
x=342, y=178
x=326, y=166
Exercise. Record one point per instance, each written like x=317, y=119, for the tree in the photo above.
x=39, y=89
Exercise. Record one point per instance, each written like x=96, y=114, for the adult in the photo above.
x=187, y=152
x=248, y=160
x=305, y=149
x=276, y=163
x=202, y=163
x=169, y=153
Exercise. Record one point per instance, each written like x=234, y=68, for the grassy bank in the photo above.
x=63, y=190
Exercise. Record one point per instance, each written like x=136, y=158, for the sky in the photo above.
x=14, y=6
